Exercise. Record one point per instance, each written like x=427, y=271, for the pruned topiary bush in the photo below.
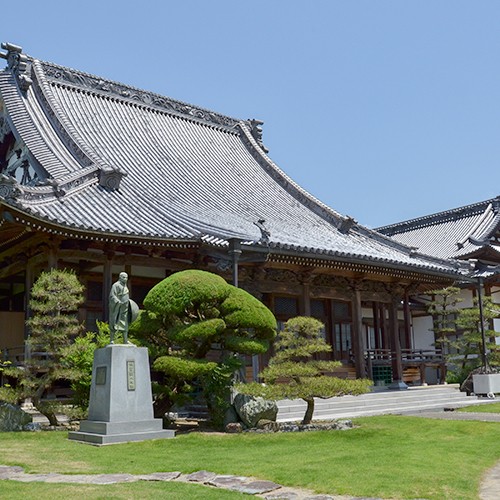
x=186, y=316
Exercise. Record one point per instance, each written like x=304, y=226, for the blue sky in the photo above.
x=384, y=110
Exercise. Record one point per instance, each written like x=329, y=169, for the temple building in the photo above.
x=468, y=234
x=101, y=177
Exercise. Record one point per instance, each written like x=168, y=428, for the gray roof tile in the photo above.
x=455, y=233
x=191, y=174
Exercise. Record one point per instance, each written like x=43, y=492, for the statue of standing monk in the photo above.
x=119, y=308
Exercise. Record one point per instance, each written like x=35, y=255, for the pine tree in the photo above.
x=55, y=298
x=470, y=343
x=294, y=372
x=444, y=311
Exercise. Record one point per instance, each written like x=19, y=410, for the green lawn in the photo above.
x=140, y=490
x=387, y=457
x=484, y=408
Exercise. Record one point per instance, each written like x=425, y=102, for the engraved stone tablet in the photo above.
x=100, y=375
x=121, y=403
x=131, y=375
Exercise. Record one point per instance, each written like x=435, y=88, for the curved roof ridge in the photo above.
x=287, y=182
x=66, y=131
x=439, y=217
x=478, y=226
x=52, y=190
x=22, y=123
x=106, y=87
x=412, y=251
x=321, y=208
x=488, y=229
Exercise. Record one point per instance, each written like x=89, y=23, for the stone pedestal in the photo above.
x=486, y=383
x=121, y=405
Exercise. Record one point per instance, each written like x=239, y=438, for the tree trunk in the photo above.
x=52, y=418
x=45, y=410
x=161, y=406
x=309, y=411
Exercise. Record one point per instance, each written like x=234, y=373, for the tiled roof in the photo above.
x=461, y=233
x=185, y=173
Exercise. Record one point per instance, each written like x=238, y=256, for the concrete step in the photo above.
x=415, y=399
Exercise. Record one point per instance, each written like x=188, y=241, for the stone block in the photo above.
x=121, y=403
x=13, y=418
x=252, y=409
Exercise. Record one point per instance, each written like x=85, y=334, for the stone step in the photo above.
x=327, y=414
x=196, y=411
x=380, y=403
x=400, y=397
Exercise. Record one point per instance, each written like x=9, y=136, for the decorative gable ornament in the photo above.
x=256, y=131
x=9, y=188
x=110, y=178
x=346, y=224
x=265, y=234
x=59, y=192
x=19, y=64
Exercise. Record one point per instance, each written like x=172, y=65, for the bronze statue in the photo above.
x=119, y=308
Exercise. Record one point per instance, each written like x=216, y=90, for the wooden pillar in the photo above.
x=52, y=251
x=130, y=283
x=52, y=257
x=376, y=325
x=29, y=279
x=305, y=299
x=358, y=337
x=384, y=330
x=397, y=365
x=407, y=320
x=107, y=281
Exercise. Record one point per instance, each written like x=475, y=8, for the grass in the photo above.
x=484, y=408
x=142, y=490
x=387, y=457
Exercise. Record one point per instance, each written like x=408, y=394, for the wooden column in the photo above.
x=50, y=251
x=386, y=340
x=52, y=257
x=305, y=299
x=358, y=337
x=407, y=319
x=29, y=279
x=107, y=281
x=376, y=325
x=130, y=283
x=397, y=365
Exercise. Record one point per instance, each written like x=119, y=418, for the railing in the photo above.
x=17, y=355
x=408, y=356
x=422, y=355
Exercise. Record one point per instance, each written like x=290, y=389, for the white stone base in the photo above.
x=121, y=405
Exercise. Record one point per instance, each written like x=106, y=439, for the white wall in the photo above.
x=422, y=332
x=466, y=296
x=423, y=337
